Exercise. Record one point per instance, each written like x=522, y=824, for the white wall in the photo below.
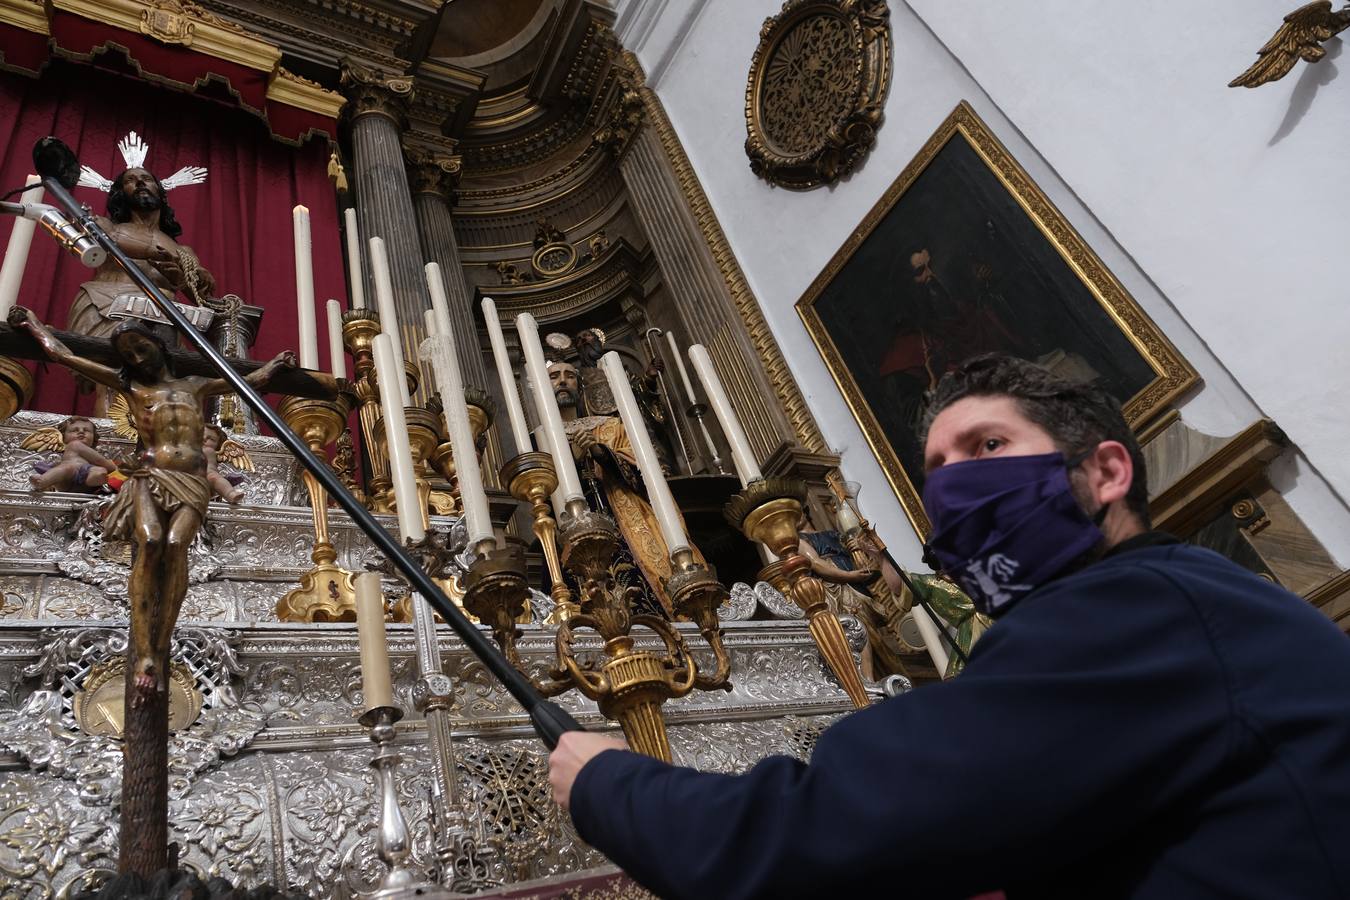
x=1210, y=215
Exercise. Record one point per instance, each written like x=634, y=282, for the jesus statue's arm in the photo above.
x=24, y=320
x=258, y=378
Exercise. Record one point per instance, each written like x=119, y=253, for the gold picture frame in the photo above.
x=1027, y=277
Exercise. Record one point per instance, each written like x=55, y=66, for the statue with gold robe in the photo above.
x=601, y=445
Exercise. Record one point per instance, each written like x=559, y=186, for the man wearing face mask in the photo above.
x=1144, y=719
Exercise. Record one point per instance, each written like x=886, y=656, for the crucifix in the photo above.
x=159, y=510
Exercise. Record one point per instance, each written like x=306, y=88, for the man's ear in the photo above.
x=1111, y=472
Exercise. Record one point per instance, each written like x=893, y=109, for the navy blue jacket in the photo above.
x=1160, y=724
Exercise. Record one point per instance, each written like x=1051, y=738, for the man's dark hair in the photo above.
x=119, y=206
x=1078, y=416
x=136, y=326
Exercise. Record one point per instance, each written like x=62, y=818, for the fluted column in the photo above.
x=384, y=206
x=688, y=267
x=433, y=178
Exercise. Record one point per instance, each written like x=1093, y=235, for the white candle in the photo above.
x=520, y=432
x=354, y=260
x=747, y=469
x=336, y=349
x=16, y=254
x=546, y=405
x=658, y=492
x=429, y=319
x=846, y=518
x=384, y=302
x=556, y=498
x=679, y=364
x=304, y=290
x=376, y=687
x=440, y=350
x=931, y=639
x=388, y=373
x=440, y=304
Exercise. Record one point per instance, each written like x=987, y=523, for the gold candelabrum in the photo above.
x=530, y=477
x=629, y=684
x=359, y=328
x=16, y=387
x=326, y=592
x=768, y=510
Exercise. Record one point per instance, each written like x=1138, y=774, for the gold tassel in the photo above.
x=336, y=172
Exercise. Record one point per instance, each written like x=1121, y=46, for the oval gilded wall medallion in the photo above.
x=817, y=84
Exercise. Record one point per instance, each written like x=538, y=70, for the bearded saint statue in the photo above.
x=601, y=446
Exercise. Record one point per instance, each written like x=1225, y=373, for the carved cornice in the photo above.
x=182, y=23
x=625, y=113
x=1185, y=504
x=289, y=88
x=433, y=173
x=26, y=14
x=618, y=271
x=372, y=92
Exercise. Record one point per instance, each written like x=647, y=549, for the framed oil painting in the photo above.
x=963, y=255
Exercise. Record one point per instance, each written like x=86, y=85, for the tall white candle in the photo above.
x=747, y=469
x=520, y=432
x=546, y=404
x=16, y=254
x=846, y=518
x=354, y=260
x=658, y=492
x=384, y=302
x=429, y=319
x=440, y=349
x=336, y=349
x=440, y=303
x=388, y=373
x=679, y=365
x=304, y=290
x=376, y=687
x=931, y=639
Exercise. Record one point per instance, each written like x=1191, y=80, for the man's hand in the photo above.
x=575, y=749
x=286, y=359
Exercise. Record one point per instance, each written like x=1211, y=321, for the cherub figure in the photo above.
x=81, y=469
x=226, y=487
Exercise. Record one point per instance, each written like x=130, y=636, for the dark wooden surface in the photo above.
x=294, y=382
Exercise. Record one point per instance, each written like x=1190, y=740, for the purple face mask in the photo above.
x=1004, y=526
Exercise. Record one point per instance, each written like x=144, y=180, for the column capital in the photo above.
x=433, y=172
x=373, y=92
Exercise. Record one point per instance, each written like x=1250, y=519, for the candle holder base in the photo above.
x=768, y=510
x=326, y=594
x=392, y=840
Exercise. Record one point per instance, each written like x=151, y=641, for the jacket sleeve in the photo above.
x=1083, y=713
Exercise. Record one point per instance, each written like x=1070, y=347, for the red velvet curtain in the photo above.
x=238, y=221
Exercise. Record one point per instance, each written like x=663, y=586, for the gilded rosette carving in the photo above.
x=817, y=85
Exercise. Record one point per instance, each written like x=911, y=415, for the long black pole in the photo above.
x=549, y=719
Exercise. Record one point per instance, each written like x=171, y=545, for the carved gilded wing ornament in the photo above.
x=44, y=440
x=1300, y=37
x=817, y=85
x=233, y=453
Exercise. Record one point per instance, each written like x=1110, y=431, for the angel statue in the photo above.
x=1300, y=37
x=219, y=447
x=143, y=224
x=82, y=469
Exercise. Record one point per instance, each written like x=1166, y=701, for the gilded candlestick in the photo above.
x=768, y=510
x=359, y=327
x=16, y=387
x=326, y=592
x=531, y=479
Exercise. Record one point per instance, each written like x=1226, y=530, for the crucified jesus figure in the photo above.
x=159, y=509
